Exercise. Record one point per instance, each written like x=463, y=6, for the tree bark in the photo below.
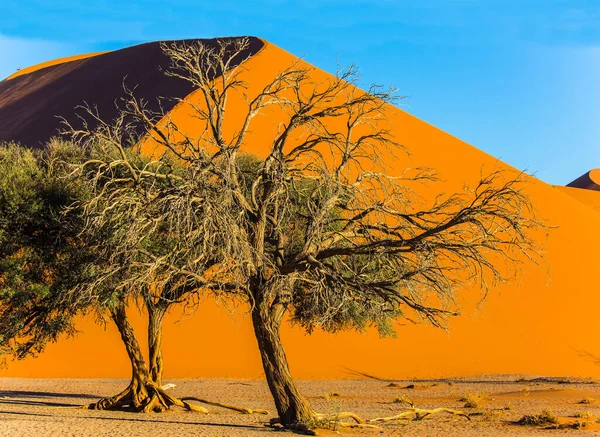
x=139, y=369
x=292, y=407
x=136, y=395
x=156, y=315
x=142, y=394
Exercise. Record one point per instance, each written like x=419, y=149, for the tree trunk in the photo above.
x=136, y=394
x=142, y=394
x=139, y=370
x=292, y=407
x=155, y=319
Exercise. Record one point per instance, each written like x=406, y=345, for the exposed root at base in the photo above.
x=148, y=398
x=227, y=406
x=153, y=399
x=180, y=402
x=335, y=417
x=325, y=421
x=418, y=414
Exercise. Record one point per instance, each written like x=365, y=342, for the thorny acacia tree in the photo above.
x=130, y=240
x=52, y=270
x=110, y=295
x=315, y=228
x=46, y=260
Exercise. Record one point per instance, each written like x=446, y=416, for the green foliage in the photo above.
x=40, y=258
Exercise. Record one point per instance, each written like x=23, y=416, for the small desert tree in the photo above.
x=49, y=264
x=144, y=260
x=316, y=228
x=45, y=261
x=123, y=279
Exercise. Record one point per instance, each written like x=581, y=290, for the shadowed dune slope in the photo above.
x=50, y=63
x=588, y=181
x=30, y=103
x=544, y=323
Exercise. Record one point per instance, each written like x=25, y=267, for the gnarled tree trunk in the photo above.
x=136, y=394
x=292, y=407
x=156, y=314
x=142, y=394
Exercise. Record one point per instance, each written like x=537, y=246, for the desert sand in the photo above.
x=48, y=407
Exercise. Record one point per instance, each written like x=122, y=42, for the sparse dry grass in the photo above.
x=585, y=415
x=473, y=400
x=403, y=400
x=587, y=401
x=545, y=418
x=333, y=394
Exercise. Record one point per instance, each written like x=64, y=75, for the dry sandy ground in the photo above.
x=46, y=407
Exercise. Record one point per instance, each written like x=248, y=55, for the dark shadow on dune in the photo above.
x=43, y=394
x=36, y=403
x=133, y=419
x=178, y=422
x=586, y=182
x=26, y=414
x=367, y=375
x=30, y=103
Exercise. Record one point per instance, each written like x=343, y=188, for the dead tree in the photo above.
x=316, y=229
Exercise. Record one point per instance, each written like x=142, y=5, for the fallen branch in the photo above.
x=419, y=414
x=227, y=406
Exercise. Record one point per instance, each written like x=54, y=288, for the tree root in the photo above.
x=227, y=406
x=325, y=421
x=115, y=402
x=148, y=399
x=180, y=402
x=335, y=417
x=153, y=398
x=418, y=414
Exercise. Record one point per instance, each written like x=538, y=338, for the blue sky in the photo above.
x=520, y=79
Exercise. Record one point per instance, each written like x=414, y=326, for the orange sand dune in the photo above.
x=543, y=324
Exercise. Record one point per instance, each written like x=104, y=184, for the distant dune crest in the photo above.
x=31, y=99
x=588, y=181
